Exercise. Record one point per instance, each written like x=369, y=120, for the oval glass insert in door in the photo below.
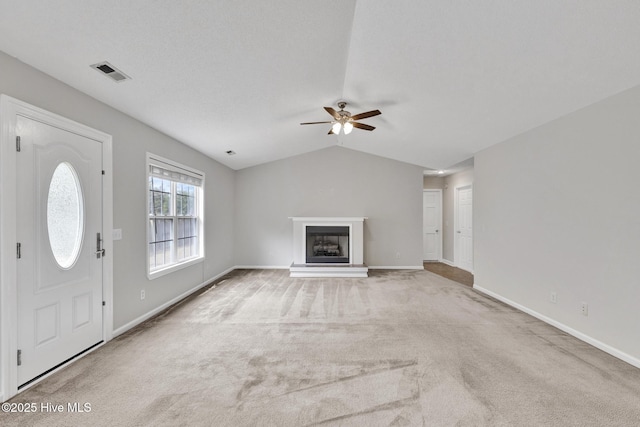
x=65, y=219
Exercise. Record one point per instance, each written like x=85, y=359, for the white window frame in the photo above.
x=153, y=159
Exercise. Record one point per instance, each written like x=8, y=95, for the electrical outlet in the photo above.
x=142, y=294
x=398, y=255
x=584, y=309
x=553, y=297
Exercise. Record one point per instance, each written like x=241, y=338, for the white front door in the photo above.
x=431, y=224
x=464, y=228
x=59, y=267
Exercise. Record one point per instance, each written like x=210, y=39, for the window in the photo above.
x=65, y=220
x=174, y=206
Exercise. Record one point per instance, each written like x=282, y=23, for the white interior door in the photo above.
x=431, y=224
x=464, y=228
x=59, y=270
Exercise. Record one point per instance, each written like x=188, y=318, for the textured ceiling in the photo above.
x=450, y=77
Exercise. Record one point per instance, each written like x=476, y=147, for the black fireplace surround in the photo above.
x=327, y=244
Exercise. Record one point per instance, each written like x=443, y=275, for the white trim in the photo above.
x=396, y=267
x=173, y=267
x=577, y=334
x=446, y=261
x=261, y=267
x=456, y=245
x=135, y=322
x=282, y=267
x=10, y=108
x=329, y=218
x=328, y=271
x=440, y=231
x=8, y=273
x=107, y=238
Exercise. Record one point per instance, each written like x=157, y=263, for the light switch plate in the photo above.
x=116, y=234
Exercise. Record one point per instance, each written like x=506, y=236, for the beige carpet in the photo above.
x=400, y=348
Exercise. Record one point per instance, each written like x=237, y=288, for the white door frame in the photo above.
x=440, y=232
x=10, y=108
x=456, y=245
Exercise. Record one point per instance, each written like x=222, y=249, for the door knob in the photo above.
x=459, y=231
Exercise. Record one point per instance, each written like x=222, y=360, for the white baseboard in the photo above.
x=396, y=267
x=261, y=267
x=286, y=267
x=581, y=336
x=453, y=264
x=446, y=261
x=121, y=330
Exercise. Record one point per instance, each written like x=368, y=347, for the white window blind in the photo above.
x=174, y=173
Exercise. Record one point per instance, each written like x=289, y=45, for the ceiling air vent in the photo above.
x=110, y=71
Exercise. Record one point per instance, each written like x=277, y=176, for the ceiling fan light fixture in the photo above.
x=345, y=121
x=348, y=127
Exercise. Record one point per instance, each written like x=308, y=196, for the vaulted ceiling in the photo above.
x=450, y=77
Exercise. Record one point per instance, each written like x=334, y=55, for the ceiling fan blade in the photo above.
x=362, y=126
x=333, y=112
x=365, y=115
x=331, y=132
x=314, y=123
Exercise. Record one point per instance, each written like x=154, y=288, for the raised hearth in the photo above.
x=328, y=247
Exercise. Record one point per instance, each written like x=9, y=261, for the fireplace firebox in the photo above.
x=327, y=244
x=341, y=254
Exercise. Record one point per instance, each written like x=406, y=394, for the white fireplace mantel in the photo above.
x=355, y=268
x=331, y=219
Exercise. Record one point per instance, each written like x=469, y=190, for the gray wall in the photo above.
x=557, y=209
x=433, y=183
x=131, y=140
x=331, y=182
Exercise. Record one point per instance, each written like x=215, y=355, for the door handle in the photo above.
x=437, y=231
x=99, y=250
x=459, y=231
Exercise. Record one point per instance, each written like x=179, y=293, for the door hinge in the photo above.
x=99, y=250
x=104, y=303
x=102, y=172
x=18, y=143
x=19, y=250
x=19, y=357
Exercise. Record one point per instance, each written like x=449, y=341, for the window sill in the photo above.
x=168, y=270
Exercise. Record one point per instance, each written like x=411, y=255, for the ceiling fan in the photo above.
x=343, y=120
